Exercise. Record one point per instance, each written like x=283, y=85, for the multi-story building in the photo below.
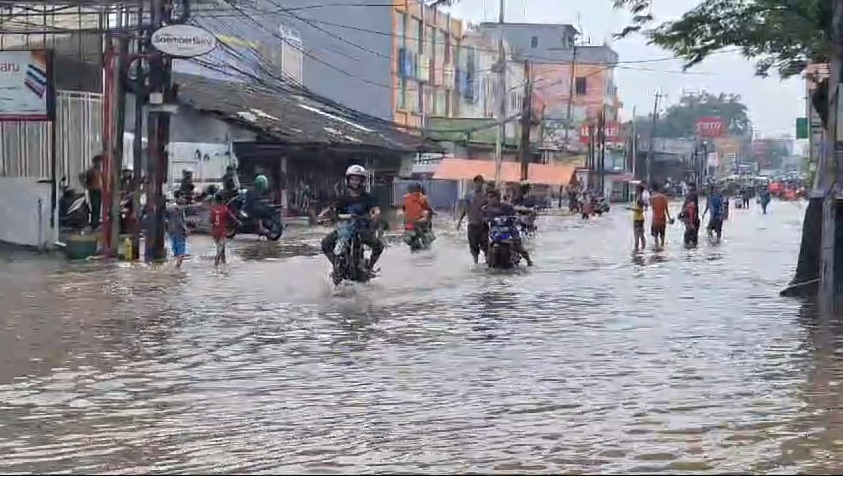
x=574, y=81
x=394, y=61
x=478, y=92
x=252, y=47
x=426, y=47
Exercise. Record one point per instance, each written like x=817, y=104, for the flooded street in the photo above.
x=593, y=361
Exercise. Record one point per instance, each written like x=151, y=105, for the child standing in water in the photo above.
x=219, y=227
x=688, y=217
x=177, y=230
x=638, y=218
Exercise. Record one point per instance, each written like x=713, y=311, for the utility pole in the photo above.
x=139, y=89
x=526, y=122
x=571, y=93
x=502, y=96
x=592, y=155
x=652, y=148
x=158, y=131
x=633, y=144
x=601, y=152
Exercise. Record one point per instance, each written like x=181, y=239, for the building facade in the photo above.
x=574, y=81
x=478, y=89
x=426, y=48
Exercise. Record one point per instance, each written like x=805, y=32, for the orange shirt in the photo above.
x=415, y=205
x=659, y=204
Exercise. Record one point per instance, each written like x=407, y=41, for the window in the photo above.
x=401, y=28
x=402, y=94
x=534, y=42
x=450, y=109
x=441, y=108
x=513, y=101
x=447, y=52
x=413, y=97
x=430, y=41
x=417, y=32
x=440, y=46
x=427, y=105
x=581, y=86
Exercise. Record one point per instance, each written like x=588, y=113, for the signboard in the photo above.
x=713, y=159
x=183, y=41
x=612, y=130
x=710, y=127
x=26, y=81
x=801, y=128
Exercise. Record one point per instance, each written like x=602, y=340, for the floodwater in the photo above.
x=592, y=361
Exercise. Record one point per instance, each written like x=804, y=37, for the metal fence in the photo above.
x=25, y=146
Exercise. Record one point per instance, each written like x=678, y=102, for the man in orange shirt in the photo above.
x=661, y=215
x=417, y=210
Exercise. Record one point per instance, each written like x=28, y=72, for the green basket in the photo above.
x=81, y=247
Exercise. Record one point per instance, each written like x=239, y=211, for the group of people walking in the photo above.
x=655, y=200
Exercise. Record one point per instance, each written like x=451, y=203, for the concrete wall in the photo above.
x=25, y=220
x=549, y=38
x=350, y=63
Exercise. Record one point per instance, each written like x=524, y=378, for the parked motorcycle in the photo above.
x=502, y=253
x=350, y=261
x=241, y=222
x=74, y=210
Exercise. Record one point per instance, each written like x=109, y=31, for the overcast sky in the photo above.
x=773, y=104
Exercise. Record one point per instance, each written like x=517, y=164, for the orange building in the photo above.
x=593, y=90
x=425, y=48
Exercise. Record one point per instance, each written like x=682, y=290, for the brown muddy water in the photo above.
x=593, y=361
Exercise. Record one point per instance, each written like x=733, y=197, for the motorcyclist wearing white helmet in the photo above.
x=359, y=203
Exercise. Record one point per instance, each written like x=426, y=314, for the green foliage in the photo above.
x=782, y=35
x=680, y=119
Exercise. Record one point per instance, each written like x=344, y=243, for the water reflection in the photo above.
x=686, y=361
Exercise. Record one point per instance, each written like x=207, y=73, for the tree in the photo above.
x=781, y=35
x=784, y=35
x=679, y=120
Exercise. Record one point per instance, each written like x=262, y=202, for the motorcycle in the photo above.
x=418, y=235
x=241, y=222
x=350, y=263
x=74, y=210
x=502, y=254
x=601, y=206
x=527, y=220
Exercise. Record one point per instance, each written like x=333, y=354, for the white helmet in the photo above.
x=356, y=170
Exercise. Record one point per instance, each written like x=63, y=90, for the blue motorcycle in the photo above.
x=503, y=232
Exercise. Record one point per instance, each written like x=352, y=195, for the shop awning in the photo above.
x=467, y=169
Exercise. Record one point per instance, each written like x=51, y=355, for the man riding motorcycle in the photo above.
x=230, y=184
x=496, y=208
x=256, y=203
x=357, y=202
x=525, y=204
x=186, y=188
x=417, y=211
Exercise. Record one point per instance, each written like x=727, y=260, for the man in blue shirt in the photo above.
x=717, y=208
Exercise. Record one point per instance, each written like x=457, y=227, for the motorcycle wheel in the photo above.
x=275, y=229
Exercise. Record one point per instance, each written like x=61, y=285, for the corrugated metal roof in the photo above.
x=289, y=117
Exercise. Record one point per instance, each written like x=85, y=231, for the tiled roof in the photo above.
x=289, y=117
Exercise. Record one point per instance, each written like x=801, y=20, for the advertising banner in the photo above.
x=26, y=86
x=612, y=131
x=710, y=127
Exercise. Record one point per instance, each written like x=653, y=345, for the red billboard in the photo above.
x=710, y=126
x=612, y=131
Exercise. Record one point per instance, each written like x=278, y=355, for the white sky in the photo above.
x=773, y=104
